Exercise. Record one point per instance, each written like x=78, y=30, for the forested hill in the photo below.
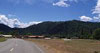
x=64, y=29
x=4, y=29
x=59, y=29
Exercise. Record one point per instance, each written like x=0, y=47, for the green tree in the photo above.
x=1, y=32
x=29, y=34
x=96, y=34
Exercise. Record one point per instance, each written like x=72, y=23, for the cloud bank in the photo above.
x=85, y=18
x=15, y=22
x=96, y=11
x=97, y=8
x=60, y=3
x=63, y=3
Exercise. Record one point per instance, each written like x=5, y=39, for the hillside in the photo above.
x=4, y=29
x=61, y=29
x=64, y=29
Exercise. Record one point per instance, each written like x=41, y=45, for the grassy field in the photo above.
x=70, y=46
x=83, y=46
x=2, y=39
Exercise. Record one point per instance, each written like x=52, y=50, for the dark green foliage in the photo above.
x=96, y=34
x=1, y=32
x=68, y=29
x=28, y=33
x=4, y=29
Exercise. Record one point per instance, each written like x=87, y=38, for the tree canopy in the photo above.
x=96, y=34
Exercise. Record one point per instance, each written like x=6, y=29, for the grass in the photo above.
x=2, y=39
x=70, y=46
x=83, y=46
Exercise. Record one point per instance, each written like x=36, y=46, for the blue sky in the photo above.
x=49, y=10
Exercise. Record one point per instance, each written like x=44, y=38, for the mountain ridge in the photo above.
x=60, y=29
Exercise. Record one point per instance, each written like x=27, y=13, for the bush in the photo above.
x=96, y=34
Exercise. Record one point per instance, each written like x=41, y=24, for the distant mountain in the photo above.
x=4, y=29
x=69, y=29
x=64, y=28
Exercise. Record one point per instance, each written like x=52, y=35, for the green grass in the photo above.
x=2, y=39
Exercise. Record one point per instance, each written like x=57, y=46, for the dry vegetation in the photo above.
x=70, y=46
x=2, y=39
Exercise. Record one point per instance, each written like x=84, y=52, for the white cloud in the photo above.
x=15, y=22
x=61, y=3
x=97, y=18
x=85, y=18
x=24, y=25
x=96, y=11
x=97, y=8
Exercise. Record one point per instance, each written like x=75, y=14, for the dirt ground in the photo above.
x=70, y=46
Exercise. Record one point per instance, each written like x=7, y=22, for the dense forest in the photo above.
x=61, y=29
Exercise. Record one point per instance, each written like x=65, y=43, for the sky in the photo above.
x=23, y=13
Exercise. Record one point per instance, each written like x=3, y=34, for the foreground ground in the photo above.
x=19, y=46
x=69, y=46
x=2, y=39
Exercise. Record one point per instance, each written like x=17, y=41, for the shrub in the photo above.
x=96, y=34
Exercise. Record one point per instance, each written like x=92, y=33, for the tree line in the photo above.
x=60, y=29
